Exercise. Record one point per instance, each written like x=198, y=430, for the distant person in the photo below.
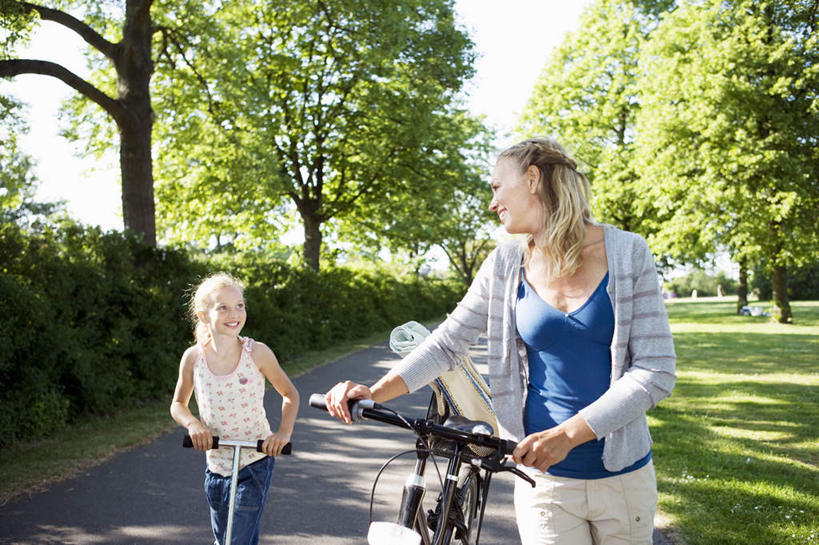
x=579, y=348
x=227, y=373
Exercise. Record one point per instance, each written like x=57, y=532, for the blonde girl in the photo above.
x=226, y=373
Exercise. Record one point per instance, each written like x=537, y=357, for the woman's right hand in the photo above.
x=336, y=399
x=200, y=435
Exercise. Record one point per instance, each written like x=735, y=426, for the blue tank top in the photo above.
x=569, y=368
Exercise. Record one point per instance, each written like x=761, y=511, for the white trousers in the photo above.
x=615, y=510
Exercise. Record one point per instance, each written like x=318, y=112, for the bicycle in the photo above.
x=473, y=456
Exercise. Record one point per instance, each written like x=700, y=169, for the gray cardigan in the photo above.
x=642, y=350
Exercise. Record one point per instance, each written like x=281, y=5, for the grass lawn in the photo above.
x=737, y=443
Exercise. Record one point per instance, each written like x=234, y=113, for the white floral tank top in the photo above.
x=232, y=407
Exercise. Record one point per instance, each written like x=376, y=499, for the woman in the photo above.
x=579, y=349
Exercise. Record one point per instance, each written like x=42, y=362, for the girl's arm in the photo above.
x=269, y=366
x=200, y=435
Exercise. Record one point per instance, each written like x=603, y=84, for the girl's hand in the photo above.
x=275, y=442
x=543, y=449
x=336, y=399
x=200, y=435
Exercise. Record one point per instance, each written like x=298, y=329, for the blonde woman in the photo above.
x=579, y=349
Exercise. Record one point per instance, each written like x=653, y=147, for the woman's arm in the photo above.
x=443, y=349
x=438, y=353
x=650, y=376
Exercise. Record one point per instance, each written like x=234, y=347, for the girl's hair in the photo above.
x=564, y=194
x=201, y=298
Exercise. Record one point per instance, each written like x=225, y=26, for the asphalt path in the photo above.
x=320, y=494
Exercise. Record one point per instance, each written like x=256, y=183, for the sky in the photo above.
x=513, y=38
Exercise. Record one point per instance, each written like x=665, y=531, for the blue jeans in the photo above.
x=251, y=494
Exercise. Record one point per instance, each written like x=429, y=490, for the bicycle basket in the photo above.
x=462, y=391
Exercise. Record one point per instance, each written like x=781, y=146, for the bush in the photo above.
x=803, y=283
x=705, y=284
x=91, y=324
x=93, y=321
x=294, y=310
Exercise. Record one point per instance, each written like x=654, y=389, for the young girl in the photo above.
x=227, y=373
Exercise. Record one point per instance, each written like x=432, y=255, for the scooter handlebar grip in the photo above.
x=187, y=442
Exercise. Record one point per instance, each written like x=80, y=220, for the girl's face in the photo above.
x=515, y=199
x=226, y=313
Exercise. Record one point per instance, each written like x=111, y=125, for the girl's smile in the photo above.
x=226, y=314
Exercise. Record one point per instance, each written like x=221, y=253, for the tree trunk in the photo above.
x=742, y=284
x=781, y=302
x=312, y=241
x=134, y=69
x=137, y=181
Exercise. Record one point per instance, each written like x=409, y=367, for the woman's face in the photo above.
x=515, y=199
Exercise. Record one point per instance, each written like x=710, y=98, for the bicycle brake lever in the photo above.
x=518, y=473
x=498, y=467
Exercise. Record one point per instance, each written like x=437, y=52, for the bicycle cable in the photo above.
x=378, y=476
x=424, y=443
x=426, y=448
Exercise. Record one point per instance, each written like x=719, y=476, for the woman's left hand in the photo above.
x=543, y=449
x=275, y=442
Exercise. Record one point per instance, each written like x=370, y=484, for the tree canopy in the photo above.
x=331, y=107
x=587, y=96
x=728, y=133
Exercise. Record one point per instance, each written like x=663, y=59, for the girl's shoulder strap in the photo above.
x=247, y=344
x=199, y=353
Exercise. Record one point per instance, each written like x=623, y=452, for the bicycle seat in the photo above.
x=466, y=425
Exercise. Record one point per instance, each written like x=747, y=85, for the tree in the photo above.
x=587, y=97
x=729, y=130
x=328, y=106
x=130, y=108
x=449, y=209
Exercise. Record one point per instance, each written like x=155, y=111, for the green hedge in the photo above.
x=91, y=321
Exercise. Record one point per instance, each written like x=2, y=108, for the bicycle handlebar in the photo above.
x=188, y=443
x=366, y=408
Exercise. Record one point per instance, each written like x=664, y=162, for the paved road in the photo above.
x=320, y=494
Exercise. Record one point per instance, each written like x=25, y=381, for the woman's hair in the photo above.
x=201, y=299
x=564, y=194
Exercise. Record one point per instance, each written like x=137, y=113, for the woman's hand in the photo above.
x=336, y=399
x=200, y=436
x=543, y=449
x=548, y=447
x=275, y=442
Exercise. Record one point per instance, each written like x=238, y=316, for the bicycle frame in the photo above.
x=457, y=451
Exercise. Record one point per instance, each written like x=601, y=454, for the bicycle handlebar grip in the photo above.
x=317, y=401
